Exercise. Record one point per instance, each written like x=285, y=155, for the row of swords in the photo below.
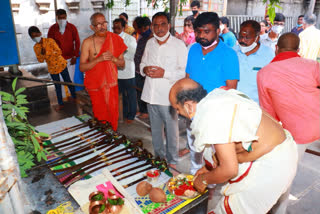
x=99, y=142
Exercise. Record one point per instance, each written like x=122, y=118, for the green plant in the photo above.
x=23, y=134
x=271, y=6
x=118, y=201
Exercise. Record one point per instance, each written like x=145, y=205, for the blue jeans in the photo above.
x=129, y=97
x=66, y=78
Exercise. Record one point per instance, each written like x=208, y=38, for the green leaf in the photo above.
x=6, y=96
x=38, y=156
x=20, y=90
x=14, y=83
x=42, y=134
x=8, y=106
x=120, y=201
x=102, y=208
x=35, y=143
x=44, y=157
x=112, y=202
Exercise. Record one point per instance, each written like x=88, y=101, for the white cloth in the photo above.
x=129, y=70
x=71, y=70
x=267, y=41
x=225, y=116
x=310, y=43
x=170, y=56
x=269, y=177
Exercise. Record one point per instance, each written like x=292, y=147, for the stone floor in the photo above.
x=305, y=193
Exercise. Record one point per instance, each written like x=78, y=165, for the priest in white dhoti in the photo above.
x=255, y=159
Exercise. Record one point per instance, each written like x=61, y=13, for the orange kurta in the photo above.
x=101, y=82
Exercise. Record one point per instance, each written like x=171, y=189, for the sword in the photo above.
x=80, y=149
x=68, y=129
x=70, y=138
x=73, y=176
x=135, y=173
x=91, y=149
x=83, y=139
x=134, y=182
x=102, y=156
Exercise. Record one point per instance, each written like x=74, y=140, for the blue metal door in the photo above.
x=8, y=42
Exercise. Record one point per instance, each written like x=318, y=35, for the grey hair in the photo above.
x=310, y=19
x=93, y=16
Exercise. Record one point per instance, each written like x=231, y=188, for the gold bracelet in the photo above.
x=115, y=60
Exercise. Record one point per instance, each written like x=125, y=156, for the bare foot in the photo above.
x=183, y=152
x=173, y=166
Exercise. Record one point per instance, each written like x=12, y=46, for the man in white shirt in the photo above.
x=272, y=37
x=163, y=63
x=126, y=76
x=309, y=38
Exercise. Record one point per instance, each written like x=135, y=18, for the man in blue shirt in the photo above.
x=212, y=64
x=252, y=57
x=228, y=36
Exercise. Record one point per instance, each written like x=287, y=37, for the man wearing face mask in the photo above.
x=228, y=37
x=163, y=63
x=299, y=28
x=195, y=7
x=252, y=57
x=126, y=76
x=47, y=50
x=101, y=54
x=275, y=32
x=212, y=64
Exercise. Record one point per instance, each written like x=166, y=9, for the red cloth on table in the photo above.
x=101, y=82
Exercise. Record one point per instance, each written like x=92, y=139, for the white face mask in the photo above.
x=221, y=28
x=163, y=38
x=246, y=49
x=277, y=29
x=36, y=39
x=62, y=25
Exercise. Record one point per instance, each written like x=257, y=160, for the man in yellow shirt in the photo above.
x=309, y=38
x=46, y=49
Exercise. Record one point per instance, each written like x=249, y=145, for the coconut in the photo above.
x=143, y=188
x=157, y=195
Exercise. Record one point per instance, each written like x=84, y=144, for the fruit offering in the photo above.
x=182, y=186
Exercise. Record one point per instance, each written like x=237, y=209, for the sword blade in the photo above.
x=135, y=173
x=128, y=170
x=75, y=178
x=134, y=182
x=85, y=138
x=68, y=129
x=70, y=138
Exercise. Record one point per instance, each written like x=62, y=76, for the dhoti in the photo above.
x=259, y=184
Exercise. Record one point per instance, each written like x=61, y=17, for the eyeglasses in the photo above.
x=99, y=25
x=187, y=25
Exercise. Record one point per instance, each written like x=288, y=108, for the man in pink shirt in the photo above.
x=288, y=91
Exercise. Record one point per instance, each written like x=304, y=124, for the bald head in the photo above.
x=186, y=89
x=288, y=42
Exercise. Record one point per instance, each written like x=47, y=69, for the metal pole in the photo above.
x=173, y=6
x=55, y=8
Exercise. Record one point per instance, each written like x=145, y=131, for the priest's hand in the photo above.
x=105, y=56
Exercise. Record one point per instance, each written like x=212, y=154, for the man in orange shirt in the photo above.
x=47, y=50
x=101, y=54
